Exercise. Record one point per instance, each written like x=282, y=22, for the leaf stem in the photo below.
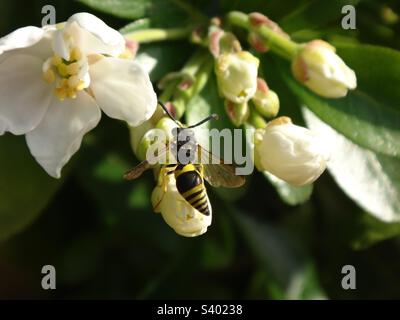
x=158, y=34
x=275, y=41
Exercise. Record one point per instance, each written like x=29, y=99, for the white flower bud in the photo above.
x=177, y=212
x=292, y=153
x=323, y=71
x=237, y=75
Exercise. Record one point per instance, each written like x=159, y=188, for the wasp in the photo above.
x=190, y=171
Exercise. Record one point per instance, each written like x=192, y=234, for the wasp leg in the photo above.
x=162, y=182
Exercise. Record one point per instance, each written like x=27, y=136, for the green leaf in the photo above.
x=305, y=17
x=369, y=116
x=371, y=230
x=288, y=193
x=25, y=188
x=162, y=58
x=290, y=271
x=372, y=180
x=164, y=12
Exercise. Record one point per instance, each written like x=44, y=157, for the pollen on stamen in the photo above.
x=62, y=70
x=73, y=68
x=56, y=60
x=75, y=54
x=49, y=76
x=60, y=93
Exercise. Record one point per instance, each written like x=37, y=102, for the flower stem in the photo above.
x=158, y=34
x=275, y=41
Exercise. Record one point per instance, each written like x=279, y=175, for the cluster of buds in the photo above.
x=237, y=78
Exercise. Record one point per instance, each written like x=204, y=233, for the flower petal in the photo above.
x=21, y=38
x=60, y=133
x=41, y=49
x=25, y=97
x=92, y=35
x=123, y=90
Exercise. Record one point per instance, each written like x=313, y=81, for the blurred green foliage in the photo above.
x=267, y=241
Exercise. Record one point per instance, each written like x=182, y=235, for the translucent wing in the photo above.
x=137, y=171
x=217, y=173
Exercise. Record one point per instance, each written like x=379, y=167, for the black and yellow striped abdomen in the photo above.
x=190, y=185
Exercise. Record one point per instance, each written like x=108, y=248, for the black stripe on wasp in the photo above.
x=190, y=165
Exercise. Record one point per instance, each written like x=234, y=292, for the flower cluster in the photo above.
x=237, y=77
x=55, y=80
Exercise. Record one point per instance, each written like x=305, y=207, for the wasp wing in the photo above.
x=137, y=171
x=217, y=173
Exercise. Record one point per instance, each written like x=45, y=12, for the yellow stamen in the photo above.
x=60, y=93
x=56, y=60
x=71, y=93
x=49, y=76
x=73, y=81
x=75, y=54
x=81, y=85
x=62, y=70
x=73, y=68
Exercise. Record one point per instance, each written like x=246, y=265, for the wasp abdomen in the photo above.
x=190, y=185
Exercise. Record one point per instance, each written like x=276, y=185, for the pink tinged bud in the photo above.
x=237, y=113
x=214, y=46
x=185, y=84
x=198, y=35
x=132, y=47
x=299, y=69
x=262, y=85
x=257, y=43
x=257, y=19
x=171, y=108
x=318, y=67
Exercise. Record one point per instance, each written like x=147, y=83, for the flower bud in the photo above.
x=153, y=135
x=292, y=153
x=319, y=68
x=256, y=120
x=237, y=112
x=237, y=75
x=265, y=100
x=176, y=211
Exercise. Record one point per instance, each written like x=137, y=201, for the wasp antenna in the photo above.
x=168, y=113
x=213, y=116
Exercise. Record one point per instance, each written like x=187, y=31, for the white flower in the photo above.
x=292, y=153
x=323, y=71
x=55, y=80
x=237, y=75
x=177, y=212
